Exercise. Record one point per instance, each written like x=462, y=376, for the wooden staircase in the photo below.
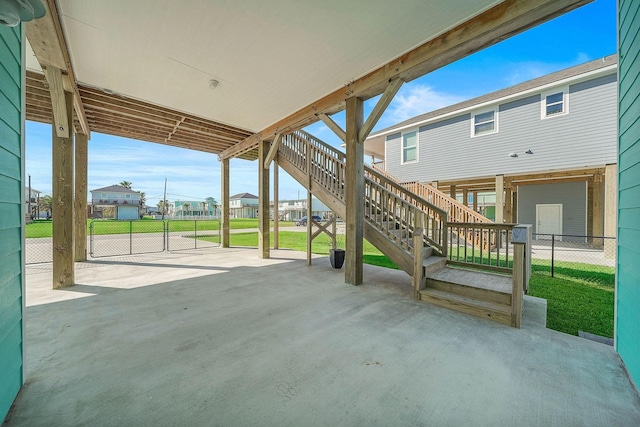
x=416, y=235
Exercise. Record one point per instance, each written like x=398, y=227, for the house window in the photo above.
x=484, y=123
x=409, y=147
x=127, y=196
x=554, y=103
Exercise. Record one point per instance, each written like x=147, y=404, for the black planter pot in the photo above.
x=336, y=256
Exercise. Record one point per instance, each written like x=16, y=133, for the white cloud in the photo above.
x=413, y=100
x=527, y=70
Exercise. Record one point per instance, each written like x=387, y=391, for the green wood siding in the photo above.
x=11, y=243
x=628, y=286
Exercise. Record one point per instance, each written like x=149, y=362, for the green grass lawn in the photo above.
x=580, y=297
x=43, y=228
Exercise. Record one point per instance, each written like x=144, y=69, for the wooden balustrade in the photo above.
x=487, y=246
x=389, y=206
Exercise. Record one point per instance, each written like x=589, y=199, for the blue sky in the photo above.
x=580, y=36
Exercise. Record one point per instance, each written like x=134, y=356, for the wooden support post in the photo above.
x=309, y=225
x=598, y=210
x=475, y=201
x=499, y=199
x=224, y=219
x=334, y=233
x=62, y=211
x=518, y=284
x=610, y=210
x=465, y=197
x=418, y=257
x=434, y=184
x=263, y=201
x=514, y=206
x=452, y=191
x=354, y=193
x=276, y=211
x=61, y=115
x=80, y=200
x=508, y=198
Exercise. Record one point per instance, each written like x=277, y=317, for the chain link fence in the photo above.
x=111, y=238
x=588, y=258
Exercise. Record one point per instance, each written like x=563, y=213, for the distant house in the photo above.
x=292, y=210
x=31, y=197
x=192, y=208
x=243, y=205
x=115, y=202
x=546, y=147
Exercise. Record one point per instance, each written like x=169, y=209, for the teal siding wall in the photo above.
x=11, y=241
x=628, y=286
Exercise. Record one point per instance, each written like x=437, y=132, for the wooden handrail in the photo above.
x=388, y=202
x=458, y=212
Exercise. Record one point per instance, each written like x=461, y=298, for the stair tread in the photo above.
x=459, y=299
x=472, y=278
x=433, y=259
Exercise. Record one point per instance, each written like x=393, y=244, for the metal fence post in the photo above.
x=91, y=238
x=195, y=234
x=166, y=234
x=553, y=245
x=130, y=237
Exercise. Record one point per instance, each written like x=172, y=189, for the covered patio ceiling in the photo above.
x=144, y=69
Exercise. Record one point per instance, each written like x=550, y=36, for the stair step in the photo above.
x=474, y=284
x=489, y=310
x=433, y=263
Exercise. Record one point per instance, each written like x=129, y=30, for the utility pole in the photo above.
x=164, y=199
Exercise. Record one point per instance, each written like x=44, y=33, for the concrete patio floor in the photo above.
x=220, y=337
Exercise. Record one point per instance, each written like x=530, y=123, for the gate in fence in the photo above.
x=110, y=238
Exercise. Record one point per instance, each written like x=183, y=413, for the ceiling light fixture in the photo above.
x=12, y=12
x=513, y=154
x=213, y=84
x=528, y=151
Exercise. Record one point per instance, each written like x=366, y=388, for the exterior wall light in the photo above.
x=12, y=12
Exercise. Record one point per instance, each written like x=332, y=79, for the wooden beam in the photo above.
x=263, y=202
x=276, y=202
x=80, y=198
x=60, y=119
x=273, y=151
x=499, y=187
x=62, y=212
x=610, y=210
x=508, y=199
x=309, y=224
x=354, y=193
x=48, y=43
x=333, y=126
x=598, y=211
x=502, y=21
x=224, y=219
x=389, y=92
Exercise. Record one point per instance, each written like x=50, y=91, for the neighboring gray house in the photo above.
x=115, y=202
x=545, y=148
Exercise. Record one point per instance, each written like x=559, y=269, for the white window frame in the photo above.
x=565, y=102
x=473, y=122
x=402, y=135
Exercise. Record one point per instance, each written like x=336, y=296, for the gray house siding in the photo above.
x=11, y=216
x=628, y=273
x=583, y=137
x=571, y=195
